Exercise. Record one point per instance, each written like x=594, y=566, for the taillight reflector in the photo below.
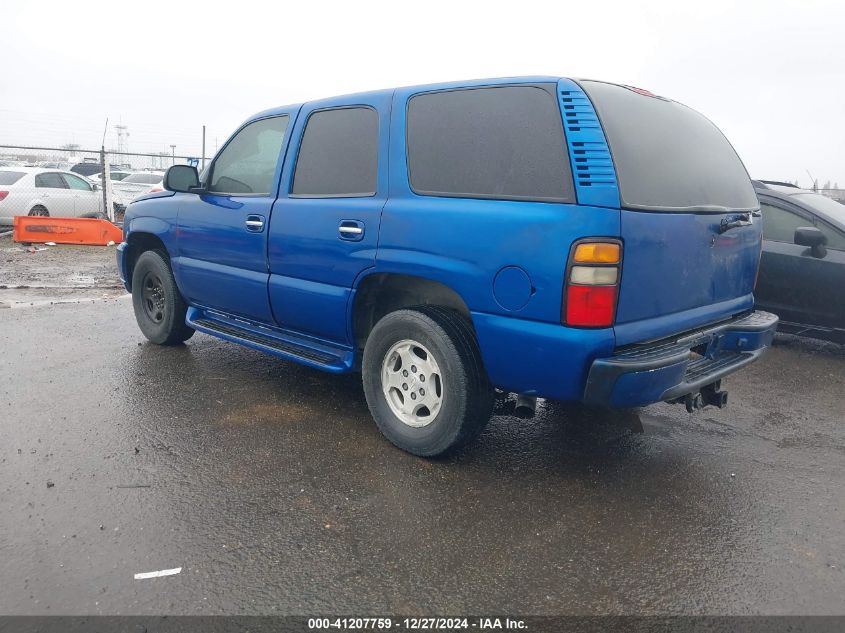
x=3, y=194
x=590, y=306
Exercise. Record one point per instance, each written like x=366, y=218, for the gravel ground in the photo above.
x=55, y=274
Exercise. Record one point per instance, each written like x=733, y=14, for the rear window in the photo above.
x=503, y=142
x=669, y=157
x=86, y=169
x=10, y=177
x=144, y=179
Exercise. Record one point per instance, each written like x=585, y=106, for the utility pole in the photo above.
x=173, y=153
x=203, y=147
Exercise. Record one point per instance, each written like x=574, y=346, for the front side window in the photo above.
x=779, y=224
x=339, y=154
x=50, y=181
x=503, y=142
x=248, y=162
x=75, y=182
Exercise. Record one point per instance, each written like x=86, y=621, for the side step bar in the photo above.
x=321, y=355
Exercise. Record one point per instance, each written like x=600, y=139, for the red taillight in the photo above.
x=590, y=306
x=592, y=283
x=156, y=189
x=3, y=194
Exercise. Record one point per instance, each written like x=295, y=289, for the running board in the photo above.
x=306, y=351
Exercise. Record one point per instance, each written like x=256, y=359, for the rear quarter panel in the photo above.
x=464, y=243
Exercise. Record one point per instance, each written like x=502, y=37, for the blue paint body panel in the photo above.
x=289, y=288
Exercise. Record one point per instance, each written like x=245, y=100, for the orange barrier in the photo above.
x=91, y=231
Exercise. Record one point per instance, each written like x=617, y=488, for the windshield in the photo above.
x=10, y=177
x=669, y=157
x=823, y=204
x=146, y=179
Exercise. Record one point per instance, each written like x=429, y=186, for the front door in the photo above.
x=325, y=225
x=221, y=260
x=85, y=199
x=794, y=284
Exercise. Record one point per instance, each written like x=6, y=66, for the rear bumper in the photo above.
x=638, y=375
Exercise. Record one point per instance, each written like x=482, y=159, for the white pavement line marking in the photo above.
x=158, y=574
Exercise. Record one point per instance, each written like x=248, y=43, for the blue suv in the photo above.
x=575, y=240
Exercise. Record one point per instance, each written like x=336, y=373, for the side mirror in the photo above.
x=812, y=237
x=181, y=178
x=95, y=187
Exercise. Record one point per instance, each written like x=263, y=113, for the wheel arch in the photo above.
x=139, y=242
x=380, y=293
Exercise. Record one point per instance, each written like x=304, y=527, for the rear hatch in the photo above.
x=688, y=221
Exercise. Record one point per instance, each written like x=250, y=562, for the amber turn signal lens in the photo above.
x=597, y=253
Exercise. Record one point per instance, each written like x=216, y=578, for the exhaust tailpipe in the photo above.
x=526, y=406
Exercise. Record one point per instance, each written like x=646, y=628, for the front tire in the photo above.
x=39, y=211
x=424, y=380
x=159, y=307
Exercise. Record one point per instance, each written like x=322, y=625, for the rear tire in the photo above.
x=159, y=307
x=424, y=380
x=39, y=210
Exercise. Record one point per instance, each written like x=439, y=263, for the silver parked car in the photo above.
x=38, y=191
x=136, y=185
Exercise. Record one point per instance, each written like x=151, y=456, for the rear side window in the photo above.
x=10, y=177
x=248, y=162
x=503, y=142
x=669, y=157
x=50, y=181
x=339, y=154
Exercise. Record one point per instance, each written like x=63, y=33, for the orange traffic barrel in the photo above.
x=39, y=229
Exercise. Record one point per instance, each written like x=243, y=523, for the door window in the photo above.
x=339, y=154
x=779, y=224
x=248, y=162
x=835, y=239
x=75, y=182
x=50, y=181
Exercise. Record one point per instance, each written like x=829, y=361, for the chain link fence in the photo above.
x=75, y=182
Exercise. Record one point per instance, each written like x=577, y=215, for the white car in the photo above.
x=37, y=191
x=136, y=185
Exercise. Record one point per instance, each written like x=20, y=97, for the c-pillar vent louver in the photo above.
x=592, y=165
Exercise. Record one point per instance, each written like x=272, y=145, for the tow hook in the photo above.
x=710, y=395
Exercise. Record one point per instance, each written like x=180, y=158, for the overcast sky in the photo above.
x=770, y=74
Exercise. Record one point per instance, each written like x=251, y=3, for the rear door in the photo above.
x=797, y=285
x=325, y=226
x=221, y=258
x=690, y=221
x=55, y=194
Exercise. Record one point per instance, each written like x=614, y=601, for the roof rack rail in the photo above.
x=778, y=182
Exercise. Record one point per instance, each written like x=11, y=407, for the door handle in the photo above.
x=351, y=230
x=254, y=223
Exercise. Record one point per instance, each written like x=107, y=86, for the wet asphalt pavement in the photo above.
x=271, y=487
